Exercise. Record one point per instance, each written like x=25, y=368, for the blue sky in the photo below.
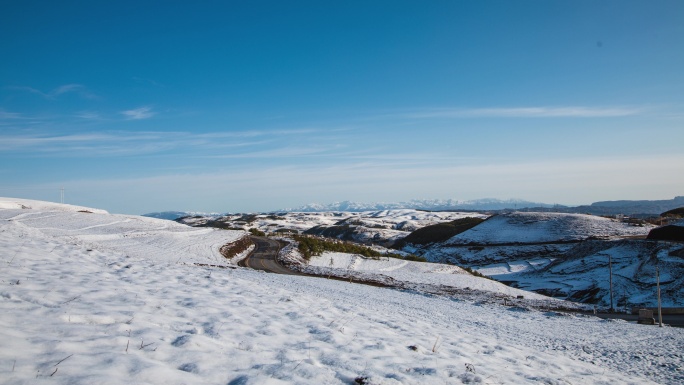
x=144, y=106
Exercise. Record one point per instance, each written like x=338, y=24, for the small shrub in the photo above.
x=249, y=218
x=415, y=258
x=256, y=232
x=474, y=272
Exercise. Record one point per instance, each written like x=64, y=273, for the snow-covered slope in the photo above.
x=384, y=226
x=582, y=273
x=28, y=204
x=101, y=301
x=431, y=277
x=536, y=238
x=522, y=227
x=563, y=255
x=134, y=236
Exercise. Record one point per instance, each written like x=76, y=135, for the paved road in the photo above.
x=263, y=257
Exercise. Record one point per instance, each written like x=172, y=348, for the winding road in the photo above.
x=264, y=257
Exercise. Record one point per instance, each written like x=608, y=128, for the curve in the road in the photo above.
x=264, y=257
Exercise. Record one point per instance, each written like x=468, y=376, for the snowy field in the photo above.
x=109, y=299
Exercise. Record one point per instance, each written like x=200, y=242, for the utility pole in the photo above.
x=331, y=267
x=61, y=195
x=660, y=309
x=610, y=272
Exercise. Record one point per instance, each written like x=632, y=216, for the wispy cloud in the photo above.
x=146, y=81
x=67, y=88
x=88, y=115
x=139, y=113
x=109, y=143
x=80, y=89
x=256, y=133
x=9, y=115
x=524, y=112
x=285, y=152
x=14, y=142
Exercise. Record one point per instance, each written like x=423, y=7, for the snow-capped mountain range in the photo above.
x=624, y=207
x=422, y=204
x=173, y=215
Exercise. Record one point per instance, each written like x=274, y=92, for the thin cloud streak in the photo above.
x=88, y=115
x=255, y=133
x=124, y=142
x=9, y=115
x=206, y=144
x=285, y=152
x=28, y=141
x=139, y=113
x=524, y=112
x=80, y=89
x=66, y=143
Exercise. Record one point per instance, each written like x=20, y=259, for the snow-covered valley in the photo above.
x=95, y=298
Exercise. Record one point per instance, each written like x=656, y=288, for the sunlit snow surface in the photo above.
x=435, y=275
x=522, y=227
x=109, y=299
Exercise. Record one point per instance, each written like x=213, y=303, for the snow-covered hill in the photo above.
x=129, y=235
x=27, y=204
x=522, y=227
x=382, y=227
x=108, y=299
x=566, y=255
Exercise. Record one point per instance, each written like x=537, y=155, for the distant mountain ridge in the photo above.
x=423, y=204
x=173, y=215
x=626, y=207
x=637, y=207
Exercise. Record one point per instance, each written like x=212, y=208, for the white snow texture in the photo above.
x=94, y=298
